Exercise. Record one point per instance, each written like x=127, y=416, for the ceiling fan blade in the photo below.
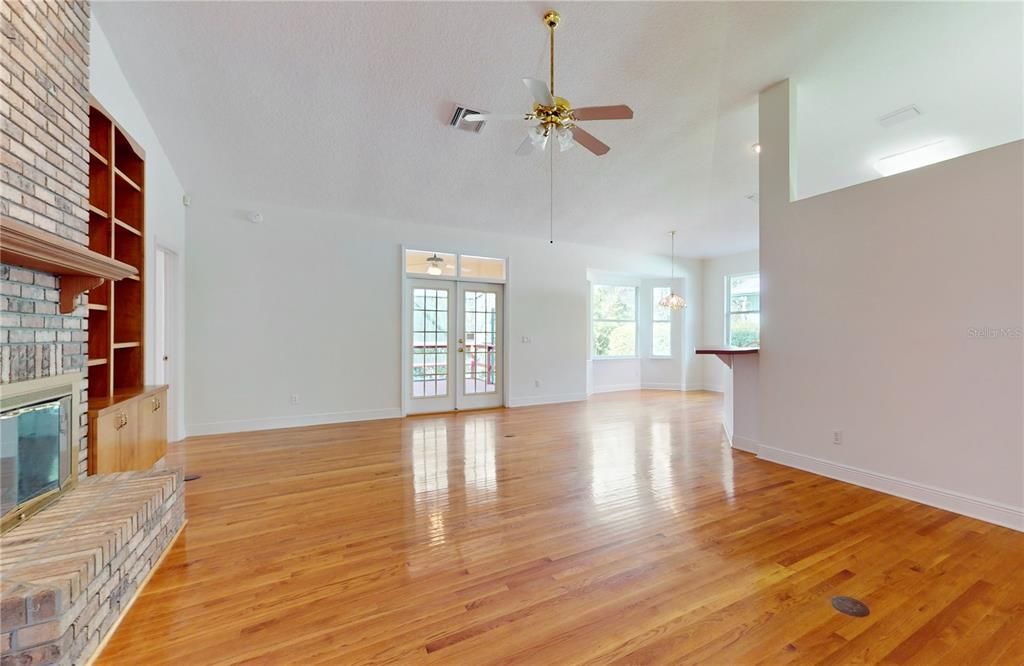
x=526, y=147
x=540, y=91
x=589, y=141
x=617, y=112
x=481, y=117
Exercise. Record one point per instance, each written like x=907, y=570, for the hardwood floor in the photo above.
x=619, y=530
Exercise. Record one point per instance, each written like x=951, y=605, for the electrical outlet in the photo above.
x=294, y=399
x=526, y=340
x=536, y=383
x=837, y=437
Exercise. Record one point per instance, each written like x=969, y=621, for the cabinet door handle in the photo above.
x=156, y=404
x=122, y=420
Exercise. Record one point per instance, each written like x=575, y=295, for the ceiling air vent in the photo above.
x=459, y=122
x=899, y=116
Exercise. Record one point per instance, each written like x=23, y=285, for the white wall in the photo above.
x=872, y=299
x=715, y=271
x=165, y=215
x=308, y=303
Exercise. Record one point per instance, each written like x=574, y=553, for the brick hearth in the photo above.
x=71, y=571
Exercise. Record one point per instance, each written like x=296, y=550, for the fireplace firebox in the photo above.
x=38, y=445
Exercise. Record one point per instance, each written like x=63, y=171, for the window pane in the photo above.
x=487, y=268
x=614, y=303
x=429, y=349
x=745, y=284
x=744, y=302
x=661, y=313
x=417, y=264
x=614, y=339
x=745, y=329
x=661, y=343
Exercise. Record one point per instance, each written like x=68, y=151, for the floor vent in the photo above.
x=850, y=606
x=459, y=121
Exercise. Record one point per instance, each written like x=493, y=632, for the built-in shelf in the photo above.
x=117, y=178
x=94, y=153
x=127, y=227
x=79, y=268
x=126, y=179
x=96, y=361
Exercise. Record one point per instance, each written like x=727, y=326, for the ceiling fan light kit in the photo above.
x=554, y=114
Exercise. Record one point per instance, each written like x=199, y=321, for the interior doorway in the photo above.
x=165, y=361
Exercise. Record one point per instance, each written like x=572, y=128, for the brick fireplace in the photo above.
x=45, y=181
x=69, y=572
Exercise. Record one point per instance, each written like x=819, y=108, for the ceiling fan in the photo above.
x=555, y=114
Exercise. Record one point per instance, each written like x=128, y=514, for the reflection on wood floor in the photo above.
x=620, y=529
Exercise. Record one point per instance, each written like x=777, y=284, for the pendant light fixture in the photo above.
x=672, y=300
x=434, y=264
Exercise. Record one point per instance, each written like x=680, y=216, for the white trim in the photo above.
x=742, y=443
x=275, y=422
x=727, y=431
x=612, y=388
x=655, y=386
x=703, y=387
x=546, y=399
x=967, y=505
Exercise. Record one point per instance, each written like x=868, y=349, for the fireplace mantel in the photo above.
x=79, y=268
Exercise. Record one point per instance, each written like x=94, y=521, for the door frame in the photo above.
x=171, y=332
x=405, y=339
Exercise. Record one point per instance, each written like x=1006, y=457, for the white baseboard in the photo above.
x=532, y=400
x=975, y=507
x=746, y=444
x=275, y=422
x=702, y=387
x=612, y=388
x=656, y=386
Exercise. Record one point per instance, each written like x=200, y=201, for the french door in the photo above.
x=455, y=346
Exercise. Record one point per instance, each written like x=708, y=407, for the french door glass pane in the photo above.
x=481, y=321
x=429, y=342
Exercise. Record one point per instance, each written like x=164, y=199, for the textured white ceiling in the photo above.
x=345, y=105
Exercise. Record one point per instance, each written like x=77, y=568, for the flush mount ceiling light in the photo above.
x=434, y=264
x=930, y=153
x=756, y=148
x=672, y=300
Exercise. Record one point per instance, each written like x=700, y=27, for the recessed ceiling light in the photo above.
x=757, y=148
x=930, y=153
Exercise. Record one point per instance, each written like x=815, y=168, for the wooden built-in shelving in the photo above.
x=116, y=230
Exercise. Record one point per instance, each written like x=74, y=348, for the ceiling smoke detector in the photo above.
x=459, y=121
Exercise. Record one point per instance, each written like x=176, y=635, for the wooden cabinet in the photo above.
x=128, y=431
x=152, y=429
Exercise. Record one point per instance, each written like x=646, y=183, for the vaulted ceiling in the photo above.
x=346, y=105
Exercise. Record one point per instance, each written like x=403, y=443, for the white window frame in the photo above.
x=671, y=325
x=458, y=277
x=728, y=305
x=635, y=320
